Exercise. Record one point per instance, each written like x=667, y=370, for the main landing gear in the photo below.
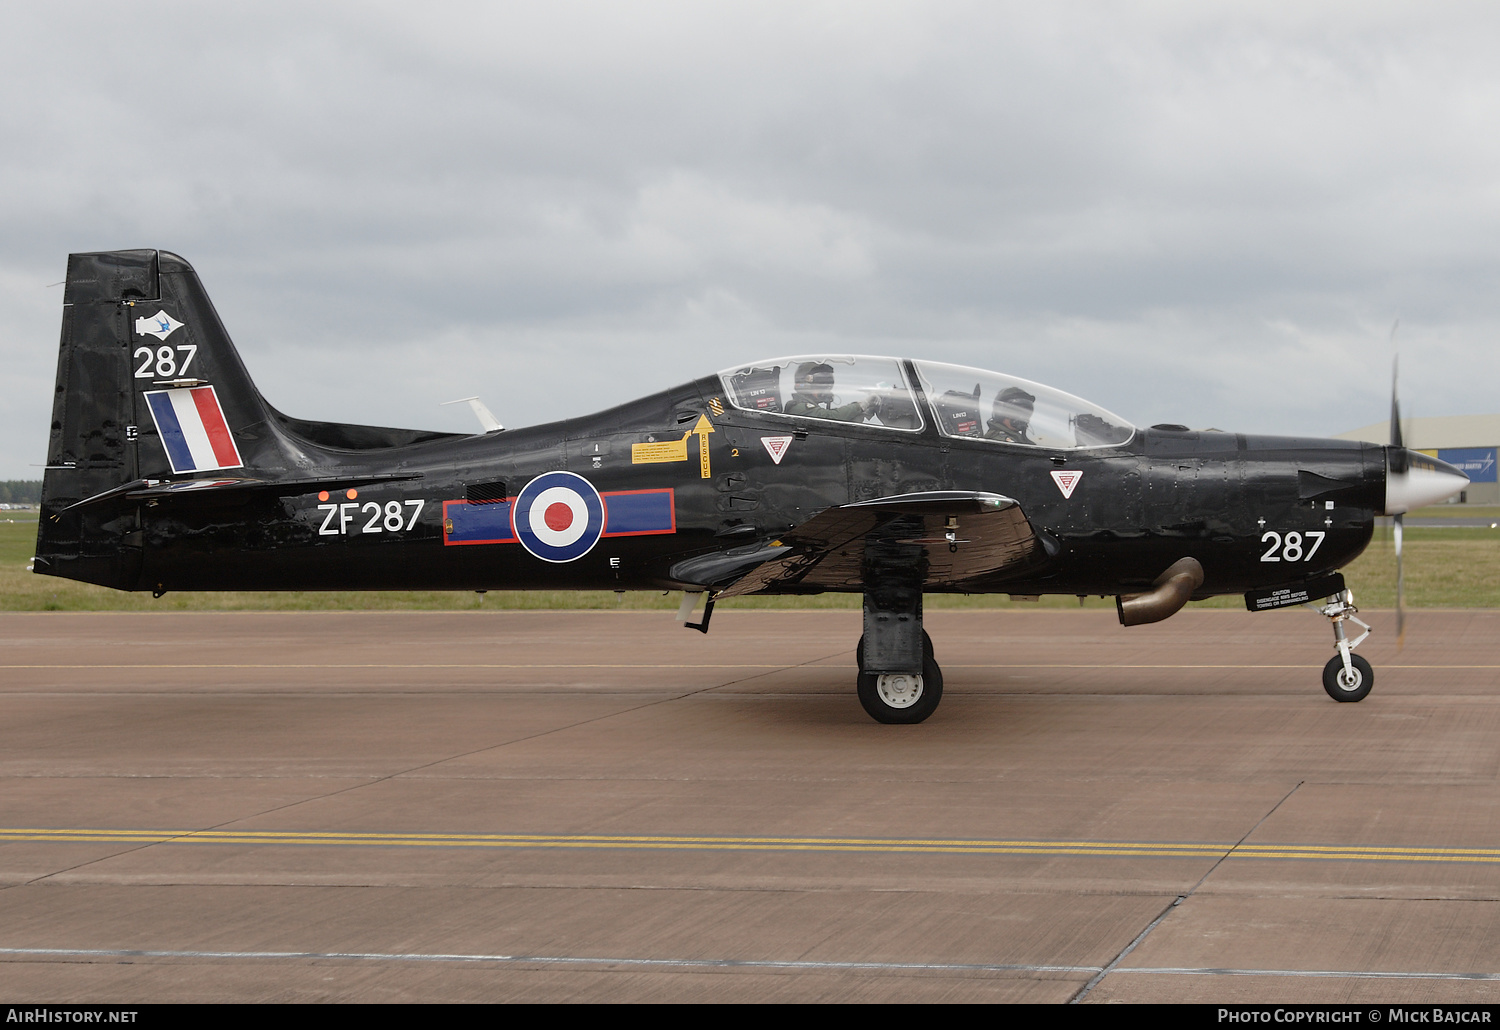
x=899, y=679
x=1347, y=676
x=899, y=682
x=901, y=697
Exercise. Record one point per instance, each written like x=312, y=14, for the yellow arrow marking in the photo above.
x=675, y=450
x=703, y=428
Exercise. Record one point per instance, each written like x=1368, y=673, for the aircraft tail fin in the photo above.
x=150, y=390
x=149, y=387
x=148, y=383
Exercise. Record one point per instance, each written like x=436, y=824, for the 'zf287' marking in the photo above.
x=1292, y=547
x=381, y=519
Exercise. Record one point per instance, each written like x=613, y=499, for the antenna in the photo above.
x=487, y=420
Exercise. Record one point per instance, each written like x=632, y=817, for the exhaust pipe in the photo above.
x=1173, y=588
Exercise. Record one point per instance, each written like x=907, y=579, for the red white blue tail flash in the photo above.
x=193, y=430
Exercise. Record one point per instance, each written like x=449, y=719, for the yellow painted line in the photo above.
x=616, y=665
x=1364, y=856
x=1119, y=849
x=1367, y=854
x=1117, y=665
x=1235, y=665
x=386, y=665
x=592, y=841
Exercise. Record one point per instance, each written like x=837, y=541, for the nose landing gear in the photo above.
x=1347, y=676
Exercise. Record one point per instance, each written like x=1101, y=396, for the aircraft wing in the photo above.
x=830, y=549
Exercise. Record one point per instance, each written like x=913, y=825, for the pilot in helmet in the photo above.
x=813, y=395
x=1010, y=417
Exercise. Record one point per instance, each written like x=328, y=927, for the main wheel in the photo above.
x=1348, y=686
x=901, y=697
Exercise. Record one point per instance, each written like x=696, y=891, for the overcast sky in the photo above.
x=1186, y=212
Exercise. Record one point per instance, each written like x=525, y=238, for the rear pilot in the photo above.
x=1010, y=417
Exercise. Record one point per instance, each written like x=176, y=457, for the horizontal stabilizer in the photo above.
x=226, y=488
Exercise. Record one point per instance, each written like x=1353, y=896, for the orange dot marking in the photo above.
x=322, y=495
x=351, y=493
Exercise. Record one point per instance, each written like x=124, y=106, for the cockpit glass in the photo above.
x=836, y=387
x=1003, y=409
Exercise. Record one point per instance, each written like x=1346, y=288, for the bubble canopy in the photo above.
x=960, y=401
x=834, y=387
x=1016, y=411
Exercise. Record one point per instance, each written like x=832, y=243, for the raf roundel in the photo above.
x=558, y=516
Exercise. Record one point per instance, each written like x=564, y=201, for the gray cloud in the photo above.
x=1201, y=213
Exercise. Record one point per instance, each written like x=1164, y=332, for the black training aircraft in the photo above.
x=892, y=478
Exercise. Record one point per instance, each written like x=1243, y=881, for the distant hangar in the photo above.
x=1467, y=441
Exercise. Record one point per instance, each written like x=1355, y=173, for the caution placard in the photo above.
x=664, y=451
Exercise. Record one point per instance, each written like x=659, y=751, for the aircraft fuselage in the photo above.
x=1255, y=511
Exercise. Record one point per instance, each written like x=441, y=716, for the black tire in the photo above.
x=859, y=649
x=1334, y=679
x=924, y=703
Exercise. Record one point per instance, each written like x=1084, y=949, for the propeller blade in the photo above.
x=1398, y=445
x=1400, y=586
x=1396, y=434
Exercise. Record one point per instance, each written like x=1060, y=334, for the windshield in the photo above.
x=984, y=405
x=836, y=387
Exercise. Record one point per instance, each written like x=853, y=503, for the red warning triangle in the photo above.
x=1066, y=480
x=776, y=446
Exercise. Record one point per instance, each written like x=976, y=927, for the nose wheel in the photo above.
x=1347, y=676
x=1350, y=684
